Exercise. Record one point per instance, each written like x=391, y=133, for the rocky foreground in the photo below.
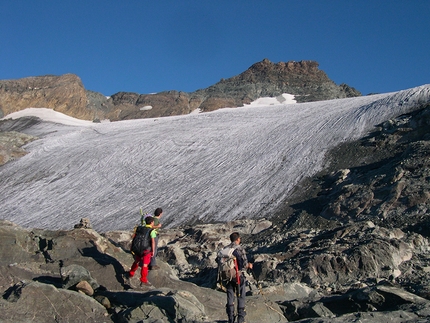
x=339, y=275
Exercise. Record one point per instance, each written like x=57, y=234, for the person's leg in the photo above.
x=229, y=307
x=134, y=267
x=153, y=259
x=144, y=272
x=241, y=301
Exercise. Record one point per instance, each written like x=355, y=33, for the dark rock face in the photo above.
x=382, y=178
x=66, y=93
x=128, y=105
x=266, y=79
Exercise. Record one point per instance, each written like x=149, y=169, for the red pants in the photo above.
x=146, y=259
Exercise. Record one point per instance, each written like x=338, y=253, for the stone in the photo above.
x=84, y=287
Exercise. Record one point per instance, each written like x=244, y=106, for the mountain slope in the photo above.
x=224, y=165
x=67, y=94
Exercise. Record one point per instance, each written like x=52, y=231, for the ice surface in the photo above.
x=218, y=166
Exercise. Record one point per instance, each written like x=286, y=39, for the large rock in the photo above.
x=38, y=302
x=178, y=306
x=384, y=302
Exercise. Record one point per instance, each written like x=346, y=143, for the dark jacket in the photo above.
x=240, y=254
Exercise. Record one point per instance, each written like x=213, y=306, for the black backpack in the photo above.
x=141, y=240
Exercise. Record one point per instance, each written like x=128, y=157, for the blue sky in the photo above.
x=141, y=46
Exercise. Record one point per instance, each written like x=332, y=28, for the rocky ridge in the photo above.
x=67, y=94
x=351, y=244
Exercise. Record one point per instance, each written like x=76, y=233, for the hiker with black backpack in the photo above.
x=142, y=248
x=232, y=265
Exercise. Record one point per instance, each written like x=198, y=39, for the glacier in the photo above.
x=229, y=164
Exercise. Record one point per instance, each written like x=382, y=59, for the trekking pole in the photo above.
x=255, y=278
x=237, y=277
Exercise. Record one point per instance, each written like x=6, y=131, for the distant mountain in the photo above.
x=66, y=93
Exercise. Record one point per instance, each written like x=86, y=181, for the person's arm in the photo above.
x=152, y=246
x=242, y=259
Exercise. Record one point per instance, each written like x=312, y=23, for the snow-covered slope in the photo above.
x=217, y=166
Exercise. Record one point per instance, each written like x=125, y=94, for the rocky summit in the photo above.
x=350, y=245
x=67, y=94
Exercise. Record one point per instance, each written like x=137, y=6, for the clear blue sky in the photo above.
x=147, y=46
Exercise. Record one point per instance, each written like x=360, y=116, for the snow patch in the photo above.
x=48, y=115
x=145, y=108
x=267, y=101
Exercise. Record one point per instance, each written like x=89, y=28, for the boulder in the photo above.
x=38, y=302
x=73, y=275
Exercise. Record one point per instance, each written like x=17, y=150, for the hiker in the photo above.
x=143, y=251
x=157, y=215
x=231, y=286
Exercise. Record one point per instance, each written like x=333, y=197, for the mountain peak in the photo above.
x=66, y=93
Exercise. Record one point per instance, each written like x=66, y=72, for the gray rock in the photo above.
x=75, y=274
x=38, y=302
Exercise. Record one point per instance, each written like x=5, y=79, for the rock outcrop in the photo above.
x=264, y=79
x=67, y=94
x=12, y=140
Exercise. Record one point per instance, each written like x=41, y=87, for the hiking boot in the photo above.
x=142, y=284
x=241, y=315
x=145, y=286
x=230, y=313
x=155, y=267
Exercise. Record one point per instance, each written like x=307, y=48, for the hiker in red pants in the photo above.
x=142, y=247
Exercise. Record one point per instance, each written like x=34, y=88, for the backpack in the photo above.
x=227, y=264
x=141, y=240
